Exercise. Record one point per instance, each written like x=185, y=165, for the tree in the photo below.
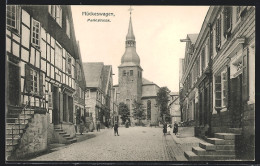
x=162, y=100
x=138, y=112
x=124, y=112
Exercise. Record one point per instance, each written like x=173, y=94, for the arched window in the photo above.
x=128, y=103
x=148, y=109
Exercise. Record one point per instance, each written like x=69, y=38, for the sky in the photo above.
x=157, y=30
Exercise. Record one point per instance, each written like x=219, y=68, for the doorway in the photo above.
x=236, y=101
x=56, y=99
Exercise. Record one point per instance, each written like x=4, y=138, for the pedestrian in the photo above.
x=164, y=129
x=175, y=128
x=168, y=129
x=116, y=129
x=98, y=125
x=82, y=124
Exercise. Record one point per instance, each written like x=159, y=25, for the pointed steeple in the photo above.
x=130, y=35
x=130, y=57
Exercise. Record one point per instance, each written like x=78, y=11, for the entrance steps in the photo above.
x=68, y=139
x=17, y=121
x=221, y=147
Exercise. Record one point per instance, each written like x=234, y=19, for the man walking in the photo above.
x=116, y=129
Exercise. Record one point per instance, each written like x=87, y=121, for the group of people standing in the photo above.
x=166, y=126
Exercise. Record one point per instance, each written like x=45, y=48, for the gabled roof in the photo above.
x=193, y=37
x=106, y=75
x=93, y=71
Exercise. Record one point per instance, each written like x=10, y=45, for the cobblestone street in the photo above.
x=133, y=144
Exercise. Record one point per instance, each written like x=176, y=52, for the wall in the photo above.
x=34, y=140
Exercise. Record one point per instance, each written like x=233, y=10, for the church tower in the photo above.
x=130, y=72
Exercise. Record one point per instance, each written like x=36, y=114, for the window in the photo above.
x=227, y=21
x=58, y=55
x=131, y=72
x=67, y=27
x=221, y=89
x=34, y=81
x=36, y=33
x=13, y=85
x=203, y=59
x=128, y=103
x=88, y=94
x=13, y=17
x=245, y=80
x=56, y=13
x=148, y=109
x=50, y=99
x=80, y=93
x=218, y=34
x=124, y=73
x=78, y=71
x=68, y=63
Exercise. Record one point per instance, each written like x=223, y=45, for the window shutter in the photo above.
x=228, y=88
x=28, y=79
x=41, y=84
x=245, y=94
x=219, y=32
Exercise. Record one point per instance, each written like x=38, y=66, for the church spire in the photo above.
x=130, y=35
x=130, y=57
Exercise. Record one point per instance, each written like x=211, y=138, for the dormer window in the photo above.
x=67, y=27
x=56, y=13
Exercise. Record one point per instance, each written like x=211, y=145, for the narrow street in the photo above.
x=132, y=144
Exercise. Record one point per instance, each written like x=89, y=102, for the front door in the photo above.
x=236, y=101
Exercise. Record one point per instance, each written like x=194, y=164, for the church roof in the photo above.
x=193, y=38
x=92, y=71
x=147, y=82
x=149, y=89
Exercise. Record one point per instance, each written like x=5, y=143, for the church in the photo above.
x=131, y=84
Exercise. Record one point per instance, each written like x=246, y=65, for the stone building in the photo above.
x=43, y=72
x=99, y=92
x=131, y=85
x=224, y=56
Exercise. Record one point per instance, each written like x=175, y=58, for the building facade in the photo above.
x=99, y=93
x=41, y=77
x=174, y=106
x=225, y=52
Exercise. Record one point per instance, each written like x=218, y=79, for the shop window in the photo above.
x=56, y=13
x=13, y=17
x=36, y=33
